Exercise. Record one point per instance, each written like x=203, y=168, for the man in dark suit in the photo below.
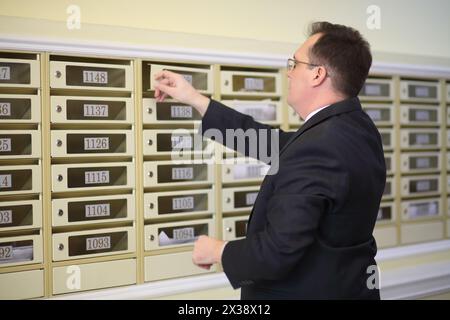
x=310, y=231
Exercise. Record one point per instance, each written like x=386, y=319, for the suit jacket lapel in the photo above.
x=347, y=105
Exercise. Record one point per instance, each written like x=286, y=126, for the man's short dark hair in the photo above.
x=345, y=54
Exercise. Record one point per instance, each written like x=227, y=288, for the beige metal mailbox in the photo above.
x=420, y=115
x=423, y=208
x=17, y=144
x=420, y=138
x=20, y=108
x=448, y=228
x=243, y=170
x=234, y=228
x=390, y=163
x=386, y=236
x=419, y=91
x=293, y=118
x=91, y=210
x=93, y=276
x=389, y=189
x=169, y=173
x=448, y=114
x=20, y=250
x=381, y=114
x=175, y=142
x=265, y=111
x=239, y=199
x=95, y=110
x=176, y=234
x=421, y=232
x=20, y=179
x=172, y=265
x=448, y=161
x=20, y=215
x=93, y=243
x=387, y=138
x=418, y=186
x=386, y=212
x=90, y=176
x=91, y=76
x=22, y=285
x=19, y=73
x=178, y=203
x=448, y=207
x=88, y=143
x=245, y=83
x=200, y=78
x=168, y=112
x=377, y=89
x=421, y=162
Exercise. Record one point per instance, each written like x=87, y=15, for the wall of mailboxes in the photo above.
x=88, y=187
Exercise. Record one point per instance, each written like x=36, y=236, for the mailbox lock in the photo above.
x=227, y=82
x=59, y=143
x=152, y=238
x=150, y=174
x=149, y=110
x=58, y=74
x=60, y=177
x=229, y=229
x=150, y=142
x=61, y=247
x=228, y=170
x=58, y=108
x=228, y=200
x=60, y=212
x=151, y=206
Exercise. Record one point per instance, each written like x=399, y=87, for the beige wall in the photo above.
x=407, y=26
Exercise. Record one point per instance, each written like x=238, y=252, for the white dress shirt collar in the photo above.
x=314, y=112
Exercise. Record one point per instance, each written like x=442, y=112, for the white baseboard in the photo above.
x=403, y=283
x=416, y=282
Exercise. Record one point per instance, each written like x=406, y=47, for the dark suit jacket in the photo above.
x=310, y=231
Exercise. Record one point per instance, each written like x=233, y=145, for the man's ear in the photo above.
x=319, y=76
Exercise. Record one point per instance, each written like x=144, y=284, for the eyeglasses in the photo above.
x=291, y=63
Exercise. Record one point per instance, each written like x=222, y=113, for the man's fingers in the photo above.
x=166, y=82
x=157, y=93
x=162, y=97
x=205, y=266
x=165, y=74
x=164, y=89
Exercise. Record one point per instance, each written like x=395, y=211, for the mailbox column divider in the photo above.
x=139, y=191
x=218, y=215
x=444, y=160
x=397, y=157
x=46, y=174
